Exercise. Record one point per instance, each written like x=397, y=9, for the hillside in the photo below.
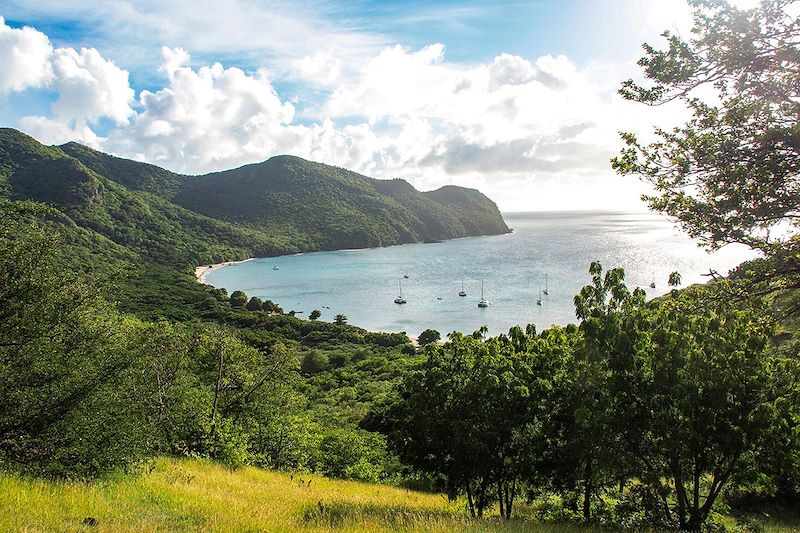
x=331, y=207
x=147, y=227
x=335, y=207
x=196, y=495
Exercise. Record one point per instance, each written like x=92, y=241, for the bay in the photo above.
x=362, y=284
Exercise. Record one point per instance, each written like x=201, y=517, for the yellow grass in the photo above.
x=194, y=495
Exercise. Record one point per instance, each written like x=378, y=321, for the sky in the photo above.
x=515, y=98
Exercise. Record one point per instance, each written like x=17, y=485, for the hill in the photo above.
x=122, y=216
x=331, y=207
x=337, y=208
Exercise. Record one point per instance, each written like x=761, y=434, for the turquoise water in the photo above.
x=362, y=284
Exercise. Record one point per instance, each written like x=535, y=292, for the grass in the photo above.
x=195, y=495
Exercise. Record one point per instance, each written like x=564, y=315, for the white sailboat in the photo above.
x=483, y=302
x=400, y=299
x=653, y=282
x=462, y=292
x=546, y=291
x=539, y=301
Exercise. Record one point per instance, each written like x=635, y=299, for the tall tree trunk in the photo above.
x=500, y=498
x=510, y=497
x=587, y=490
x=470, y=501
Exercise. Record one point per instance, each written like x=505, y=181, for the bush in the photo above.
x=238, y=299
x=254, y=304
x=314, y=362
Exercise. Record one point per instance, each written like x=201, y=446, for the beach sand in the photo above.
x=201, y=271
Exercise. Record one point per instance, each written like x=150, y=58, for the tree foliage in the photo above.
x=731, y=173
x=428, y=336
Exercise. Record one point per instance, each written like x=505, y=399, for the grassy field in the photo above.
x=194, y=495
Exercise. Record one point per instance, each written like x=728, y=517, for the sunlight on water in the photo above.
x=363, y=284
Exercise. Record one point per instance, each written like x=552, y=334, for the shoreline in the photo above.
x=201, y=271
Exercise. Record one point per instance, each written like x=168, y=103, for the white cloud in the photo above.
x=321, y=68
x=50, y=131
x=25, y=58
x=90, y=87
x=530, y=124
x=205, y=119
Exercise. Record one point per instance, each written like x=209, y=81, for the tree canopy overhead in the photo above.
x=731, y=174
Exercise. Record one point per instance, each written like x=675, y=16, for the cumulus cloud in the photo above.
x=25, y=57
x=205, y=119
x=400, y=113
x=321, y=68
x=90, y=87
x=53, y=131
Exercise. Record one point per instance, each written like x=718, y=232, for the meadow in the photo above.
x=201, y=495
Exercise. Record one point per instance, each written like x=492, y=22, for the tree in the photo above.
x=709, y=392
x=271, y=307
x=65, y=358
x=254, y=304
x=428, y=336
x=674, y=279
x=340, y=319
x=589, y=419
x=464, y=416
x=731, y=173
x=238, y=299
x=315, y=314
x=314, y=362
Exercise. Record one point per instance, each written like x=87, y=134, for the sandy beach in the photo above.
x=201, y=271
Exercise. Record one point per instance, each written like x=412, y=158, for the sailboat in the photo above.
x=545, y=291
x=539, y=301
x=400, y=299
x=483, y=302
x=462, y=292
x=653, y=282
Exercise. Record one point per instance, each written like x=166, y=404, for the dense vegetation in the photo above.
x=682, y=412
x=644, y=414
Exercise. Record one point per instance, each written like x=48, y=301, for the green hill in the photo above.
x=155, y=225
x=335, y=207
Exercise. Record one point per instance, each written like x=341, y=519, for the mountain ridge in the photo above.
x=327, y=207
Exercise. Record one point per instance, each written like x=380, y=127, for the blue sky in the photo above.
x=515, y=98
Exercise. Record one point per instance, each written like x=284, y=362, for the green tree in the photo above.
x=315, y=314
x=463, y=416
x=238, y=299
x=428, y=336
x=709, y=393
x=586, y=420
x=65, y=359
x=340, y=319
x=314, y=362
x=730, y=174
x=254, y=304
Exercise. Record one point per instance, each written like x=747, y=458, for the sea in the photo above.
x=546, y=251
